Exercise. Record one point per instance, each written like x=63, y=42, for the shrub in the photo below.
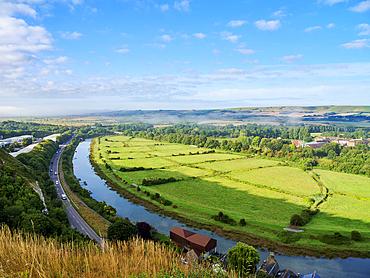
x=242, y=222
x=296, y=220
x=288, y=237
x=144, y=230
x=166, y=202
x=336, y=239
x=224, y=218
x=356, y=236
x=306, y=217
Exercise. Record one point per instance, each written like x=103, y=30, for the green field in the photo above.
x=178, y=172
x=237, y=164
x=287, y=179
x=261, y=191
x=349, y=184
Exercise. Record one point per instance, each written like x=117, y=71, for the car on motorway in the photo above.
x=56, y=173
x=64, y=196
x=51, y=170
x=56, y=182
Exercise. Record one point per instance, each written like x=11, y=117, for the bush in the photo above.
x=306, y=217
x=242, y=222
x=356, y=236
x=336, y=239
x=122, y=229
x=288, y=237
x=296, y=220
x=224, y=218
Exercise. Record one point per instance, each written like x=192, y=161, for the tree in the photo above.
x=144, y=229
x=122, y=229
x=243, y=258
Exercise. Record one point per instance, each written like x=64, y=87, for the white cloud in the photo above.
x=19, y=43
x=330, y=25
x=94, y=10
x=357, y=44
x=236, y=23
x=229, y=71
x=70, y=36
x=229, y=36
x=182, y=6
x=199, y=35
x=155, y=45
x=185, y=36
x=366, y=29
x=63, y=59
x=332, y=2
x=122, y=51
x=87, y=63
x=267, y=25
x=164, y=7
x=361, y=7
x=310, y=29
x=278, y=14
x=70, y=72
x=107, y=63
x=245, y=51
x=216, y=51
x=166, y=38
x=291, y=59
x=10, y=9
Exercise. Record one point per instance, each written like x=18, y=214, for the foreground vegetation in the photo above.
x=29, y=255
x=259, y=196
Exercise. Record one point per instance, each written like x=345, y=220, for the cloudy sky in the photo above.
x=60, y=57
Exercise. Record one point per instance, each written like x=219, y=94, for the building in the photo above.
x=6, y=142
x=188, y=240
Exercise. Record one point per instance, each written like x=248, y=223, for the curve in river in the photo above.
x=351, y=267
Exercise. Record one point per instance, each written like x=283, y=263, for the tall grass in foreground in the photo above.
x=25, y=255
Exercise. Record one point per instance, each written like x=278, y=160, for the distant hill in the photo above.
x=262, y=115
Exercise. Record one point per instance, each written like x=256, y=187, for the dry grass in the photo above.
x=23, y=255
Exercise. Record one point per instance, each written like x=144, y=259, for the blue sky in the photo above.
x=62, y=57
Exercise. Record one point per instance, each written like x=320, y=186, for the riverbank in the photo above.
x=261, y=236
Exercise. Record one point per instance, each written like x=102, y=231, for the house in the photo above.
x=270, y=266
x=315, y=145
x=188, y=240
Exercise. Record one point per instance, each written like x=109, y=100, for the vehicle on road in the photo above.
x=64, y=197
x=56, y=173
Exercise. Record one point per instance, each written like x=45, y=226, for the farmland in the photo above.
x=199, y=183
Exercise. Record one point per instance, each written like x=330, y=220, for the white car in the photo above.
x=64, y=196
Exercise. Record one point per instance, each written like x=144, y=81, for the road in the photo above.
x=74, y=218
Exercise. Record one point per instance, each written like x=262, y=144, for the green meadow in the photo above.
x=261, y=191
x=348, y=184
x=288, y=179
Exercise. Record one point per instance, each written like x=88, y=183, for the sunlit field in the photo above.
x=345, y=183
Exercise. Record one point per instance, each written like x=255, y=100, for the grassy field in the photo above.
x=265, y=194
x=345, y=183
x=237, y=164
x=287, y=179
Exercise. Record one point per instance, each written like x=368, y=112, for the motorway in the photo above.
x=74, y=218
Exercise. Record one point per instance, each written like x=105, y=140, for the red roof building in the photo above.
x=190, y=240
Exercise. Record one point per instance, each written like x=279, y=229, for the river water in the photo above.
x=335, y=268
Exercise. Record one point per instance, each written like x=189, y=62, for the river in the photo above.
x=334, y=268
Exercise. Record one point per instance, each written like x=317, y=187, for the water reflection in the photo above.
x=351, y=267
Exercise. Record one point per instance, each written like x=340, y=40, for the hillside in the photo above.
x=20, y=205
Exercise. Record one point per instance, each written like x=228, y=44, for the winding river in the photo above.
x=351, y=267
